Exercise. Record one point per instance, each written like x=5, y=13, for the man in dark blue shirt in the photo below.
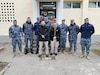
x=36, y=26
x=86, y=30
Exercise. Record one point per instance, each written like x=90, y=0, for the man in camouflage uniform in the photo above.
x=28, y=32
x=73, y=32
x=15, y=33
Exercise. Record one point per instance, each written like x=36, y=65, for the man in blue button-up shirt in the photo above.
x=86, y=30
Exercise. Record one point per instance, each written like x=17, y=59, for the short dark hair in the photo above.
x=28, y=17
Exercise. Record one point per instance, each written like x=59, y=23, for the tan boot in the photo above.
x=14, y=54
x=40, y=56
x=83, y=55
x=74, y=53
x=87, y=56
x=63, y=51
x=20, y=53
x=70, y=52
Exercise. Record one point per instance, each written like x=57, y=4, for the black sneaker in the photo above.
x=47, y=55
x=51, y=54
x=31, y=50
x=37, y=51
x=26, y=51
x=59, y=50
x=56, y=54
x=39, y=56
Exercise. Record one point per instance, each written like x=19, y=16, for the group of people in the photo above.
x=51, y=35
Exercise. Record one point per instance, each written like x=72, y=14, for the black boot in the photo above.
x=37, y=51
x=31, y=50
x=26, y=51
x=59, y=49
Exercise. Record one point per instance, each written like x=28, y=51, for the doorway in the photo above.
x=48, y=8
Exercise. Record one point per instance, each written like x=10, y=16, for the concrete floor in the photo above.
x=65, y=64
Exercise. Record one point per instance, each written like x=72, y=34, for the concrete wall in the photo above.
x=76, y=14
x=94, y=15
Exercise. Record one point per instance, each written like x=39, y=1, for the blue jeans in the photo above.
x=15, y=42
x=63, y=43
x=37, y=41
x=73, y=44
x=26, y=43
x=85, y=43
